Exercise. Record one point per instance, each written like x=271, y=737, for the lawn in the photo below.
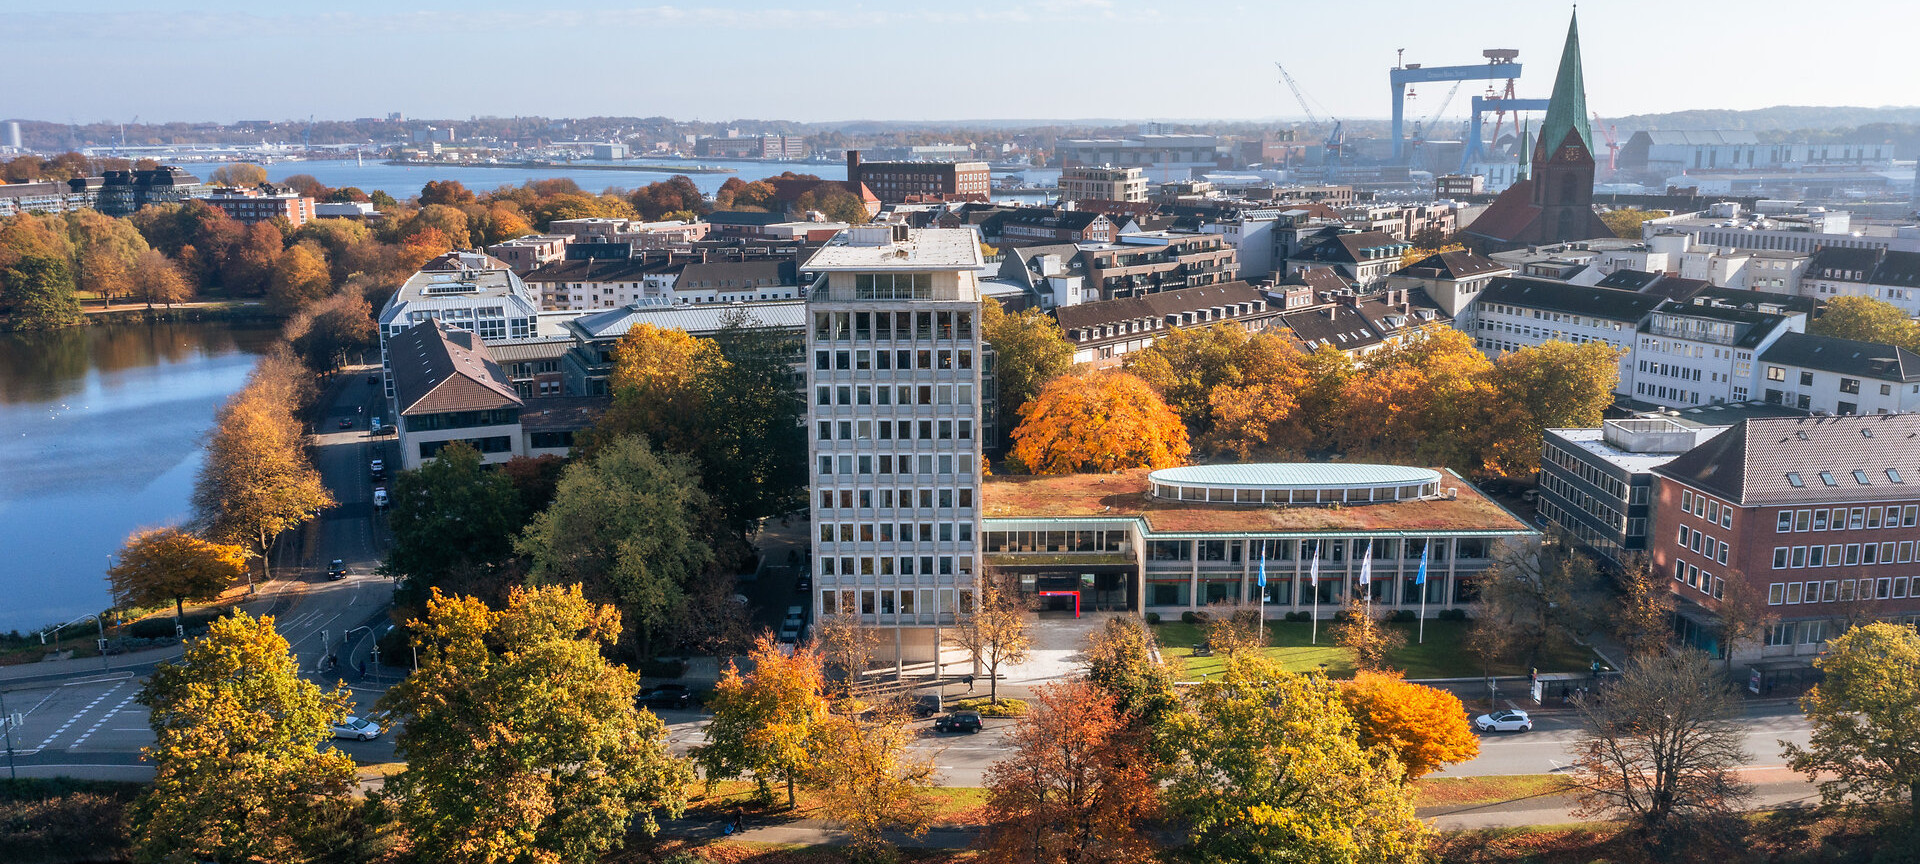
x=1475, y=791
x=1442, y=655
x=953, y=805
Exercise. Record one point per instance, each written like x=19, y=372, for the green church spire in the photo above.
x=1567, y=107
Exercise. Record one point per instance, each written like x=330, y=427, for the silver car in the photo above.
x=353, y=728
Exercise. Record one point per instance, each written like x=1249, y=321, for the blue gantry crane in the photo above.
x=1501, y=64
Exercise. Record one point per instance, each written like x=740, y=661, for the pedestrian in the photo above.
x=360, y=666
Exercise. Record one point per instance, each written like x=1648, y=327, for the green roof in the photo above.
x=1567, y=107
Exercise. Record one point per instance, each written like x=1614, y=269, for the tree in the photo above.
x=156, y=280
x=995, y=635
x=451, y=513
x=1370, y=640
x=1865, y=319
x=1424, y=727
x=38, y=290
x=1536, y=594
x=834, y=201
x=249, y=268
x=1231, y=628
x=171, y=564
x=1742, y=615
x=658, y=383
x=763, y=722
x=105, y=249
x=868, y=781
x=521, y=742
x=238, y=174
x=1661, y=744
x=240, y=772
x=1426, y=399
x=1625, y=224
x=1075, y=788
x=846, y=643
x=1553, y=385
x=1866, y=722
x=1266, y=408
x=1188, y=366
x=1099, y=422
x=1270, y=769
x=300, y=278
x=1029, y=350
x=329, y=329
x=627, y=524
x=256, y=480
x=1121, y=662
x=656, y=200
x=448, y=192
x=1642, y=618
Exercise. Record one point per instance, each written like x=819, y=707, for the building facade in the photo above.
x=447, y=388
x=894, y=422
x=1838, y=376
x=261, y=203
x=1104, y=183
x=901, y=182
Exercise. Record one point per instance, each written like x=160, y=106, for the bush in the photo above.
x=663, y=668
x=1153, y=617
x=1452, y=615
x=1006, y=707
x=1403, y=616
x=1341, y=617
x=1300, y=616
x=396, y=646
x=63, y=819
x=161, y=626
x=1189, y=617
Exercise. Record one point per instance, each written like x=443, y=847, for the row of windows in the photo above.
x=1702, y=544
x=1839, y=555
x=1841, y=518
x=901, y=394
x=1060, y=541
x=1842, y=591
x=1557, y=317
x=1329, y=551
x=890, y=601
x=865, y=499
x=889, y=532
x=884, y=326
x=1706, y=508
x=1670, y=394
x=1280, y=592
x=1603, y=543
x=862, y=430
x=1809, y=632
x=902, y=360
x=1704, y=582
x=1670, y=370
x=1595, y=507
x=867, y=565
x=1612, y=486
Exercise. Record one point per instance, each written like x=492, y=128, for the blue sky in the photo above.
x=811, y=60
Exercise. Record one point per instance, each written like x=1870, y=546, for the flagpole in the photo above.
x=1263, y=593
x=1313, y=637
x=1421, y=582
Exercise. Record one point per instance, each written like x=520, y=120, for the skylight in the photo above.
x=1793, y=479
x=1860, y=477
x=1893, y=474
x=1827, y=478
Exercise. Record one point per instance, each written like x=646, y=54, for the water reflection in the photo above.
x=102, y=430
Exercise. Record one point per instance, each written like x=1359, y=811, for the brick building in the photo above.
x=261, y=203
x=901, y=182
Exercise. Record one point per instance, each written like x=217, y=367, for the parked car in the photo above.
x=1503, y=721
x=671, y=696
x=804, y=584
x=356, y=729
x=374, y=378
x=377, y=466
x=958, y=721
x=337, y=570
x=790, y=632
x=380, y=497
x=923, y=706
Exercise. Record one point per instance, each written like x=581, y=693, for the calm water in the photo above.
x=401, y=181
x=100, y=433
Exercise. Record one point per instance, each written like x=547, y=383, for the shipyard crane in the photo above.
x=1403, y=76
x=1297, y=95
x=1422, y=127
x=1335, y=138
x=1610, y=134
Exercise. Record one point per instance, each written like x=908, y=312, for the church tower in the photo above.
x=1563, y=162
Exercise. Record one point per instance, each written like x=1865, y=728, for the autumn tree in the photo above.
x=105, y=249
x=37, y=291
x=1426, y=244
x=764, y=720
x=1265, y=411
x=1865, y=319
x=1741, y=615
x=257, y=480
x=847, y=645
x=1866, y=721
x=1029, y=350
x=155, y=279
x=521, y=742
x=834, y=201
x=419, y=248
x=1076, y=787
x=627, y=524
x=655, y=200
x=1098, y=422
x=249, y=268
x=1553, y=385
x=173, y=565
x=1625, y=224
x=995, y=634
x=445, y=192
x=330, y=329
x=238, y=174
x=1662, y=744
x=1123, y=663
x=1537, y=594
x=451, y=516
x=1426, y=400
x=1424, y=727
x=1366, y=636
x=1270, y=769
x=867, y=779
x=242, y=770
x=1231, y=628
x=300, y=278
x=1187, y=366
x=1642, y=617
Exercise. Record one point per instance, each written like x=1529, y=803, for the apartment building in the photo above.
x=1103, y=333
x=903, y=182
x=1148, y=262
x=894, y=418
x=447, y=388
x=1877, y=273
x=1515, y=312
x=1838, y=376
x=495, y=304
x=1818, y=515
x=1366, y=257
x=1103, y=183
x=260, y=203
x=1452, y=279
x=1029, y=226
x=1699, y=353
x=530, y=253
x=661, y=280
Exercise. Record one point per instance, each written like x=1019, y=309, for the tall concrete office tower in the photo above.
x=13, y=134
x=893, y=388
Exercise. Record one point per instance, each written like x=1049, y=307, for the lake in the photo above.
x=103, y=429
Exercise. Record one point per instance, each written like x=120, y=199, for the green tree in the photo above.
x=1866, y=721
x=1122, y=662
x=1864, y=319
x=240, y=773
x=1270, y=769
x=522, y=743
x=38, y=291
x=1029, y=350
x=173, y=565
x=627, y=524
x=450, y=514
x=764, y=721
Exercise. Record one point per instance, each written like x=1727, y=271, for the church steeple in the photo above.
x=1567, y=107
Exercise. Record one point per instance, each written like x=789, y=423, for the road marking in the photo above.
x=81, y=713
x=102, y=721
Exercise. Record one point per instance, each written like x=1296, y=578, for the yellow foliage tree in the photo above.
x=300, y=278
x=1626, y=223
x=1419, y=253
x=1103, y=421
x=1865, y=319
x=157, y=280
x=658, y=385
x=170, y=564
x=764, y=721
x=1423, y=726
x=1554, y=385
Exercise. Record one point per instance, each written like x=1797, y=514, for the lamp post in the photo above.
x=6, y=720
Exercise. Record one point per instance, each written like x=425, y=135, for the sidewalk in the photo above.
x=269, y=600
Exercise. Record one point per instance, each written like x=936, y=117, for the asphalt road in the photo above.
x=87, y=725
x=1547, y=748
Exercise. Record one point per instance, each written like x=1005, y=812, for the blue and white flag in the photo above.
x=1422, y=578
x=1366, y=566
x=1263, y=564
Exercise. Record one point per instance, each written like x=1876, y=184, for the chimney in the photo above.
x=853, y=166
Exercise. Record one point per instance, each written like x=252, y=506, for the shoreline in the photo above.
x=644, y=169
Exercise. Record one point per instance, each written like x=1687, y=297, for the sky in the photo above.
x=920, y=60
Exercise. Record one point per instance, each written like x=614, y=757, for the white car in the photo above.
x=380, y=497
x=356, y=729
x=1503, y=721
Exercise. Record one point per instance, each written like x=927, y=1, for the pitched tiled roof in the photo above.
x=438, y=369
x=1156, y=306
x=1352, y=248
x=1751, y=463
x=1319, y=279
x=598, y=270
x=1044, y=217
x=1844, y=357
x=1451, y=265
x=1336, y=324
x=1609, y=303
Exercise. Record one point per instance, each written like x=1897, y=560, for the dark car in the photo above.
x=958, y=721
x=669, y=696
x=803, y=584
x=373, y=379
x=337, y=570
x=346, y=422
x=921, y=707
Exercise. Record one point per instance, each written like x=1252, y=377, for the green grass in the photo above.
x=1475, y=791
x=1442, y=655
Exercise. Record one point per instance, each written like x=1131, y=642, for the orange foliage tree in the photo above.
x=1103, y=421
x=1076, y=788
x=1423, y=726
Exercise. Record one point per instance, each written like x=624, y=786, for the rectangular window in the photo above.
x=1722, y=555
x=1833, y=555
x=1906, y=551
x=1776, y=593
x=1784, y=523
x=1802, y=519
x=1873, y=517
x=1799, y=556
x=1819, y=520
x=1780, y=557
x=1686, y=500
x=1908, y=515
x=1793, y=592
x=1817, y=556
x=1857, y=518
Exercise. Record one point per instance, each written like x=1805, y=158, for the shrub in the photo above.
x=1153, y=617
x=1300, y=616
x=1452, y=615
x=396, y=646
x=1006, y=707
x=1403, y=616
x=1190, y=617
x=1340, y=617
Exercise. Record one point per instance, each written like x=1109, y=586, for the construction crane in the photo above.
x=1335, y=139
x=1609, y=133
x=1297, y=95
x=1421, y=127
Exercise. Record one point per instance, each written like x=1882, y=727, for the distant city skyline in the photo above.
x=223, y=60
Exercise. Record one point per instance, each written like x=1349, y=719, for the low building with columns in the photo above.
x=1183, y=538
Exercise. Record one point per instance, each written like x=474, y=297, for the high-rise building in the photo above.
x=13, y=134
x=894, y=389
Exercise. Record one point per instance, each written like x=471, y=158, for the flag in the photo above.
x=1313, y=574
x=1366, y=566
x=1422, y=578
x=1263, y=565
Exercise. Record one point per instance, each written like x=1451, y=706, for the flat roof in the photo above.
x=1125, y=495
x=1594, y=441
x=1295, y=475
x=924, y=249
